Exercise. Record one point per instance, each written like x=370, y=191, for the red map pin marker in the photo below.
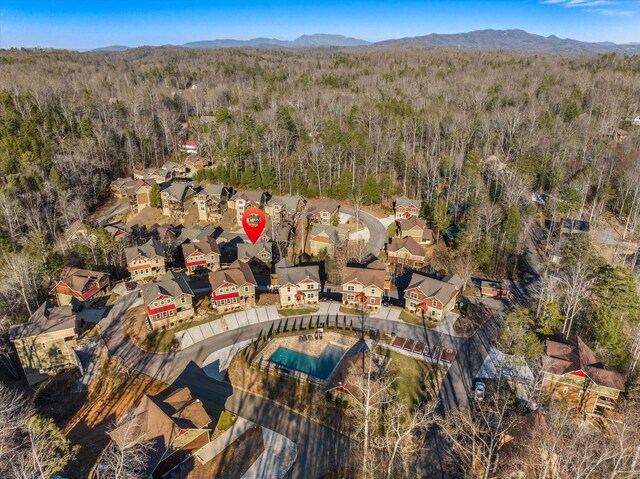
x=253, y=222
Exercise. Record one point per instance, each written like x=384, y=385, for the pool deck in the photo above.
x=313, y=347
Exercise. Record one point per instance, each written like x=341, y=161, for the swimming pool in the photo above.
x=319, y=367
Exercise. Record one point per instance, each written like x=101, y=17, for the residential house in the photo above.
x=177, y=199
x=241, y=200
x=159, y=175
x=327, y=238
x=117, y=230
x=258, y=256
x=174, y=168
x=188, y=146
x=354, y=367
x=166, y=234
x=298, y=285
x=574, y=375
x=285, y=208
x=201, y=256
x=168, y=300
x=212, y=202
x=196, y=162
x=621, y=135
x=175, y=427
x=324, y=211
x=139, y=194
x=493, y=288
x=570, y=227
x=406, y=207
x=433, y=298
x=146, y=260
x=232, y=287
x=45, y=343
x=364, y=286
x=195, y=234
x=406, y=252
x=119, y=188
x=82, y=284
x=416, y=228
x=525, y=438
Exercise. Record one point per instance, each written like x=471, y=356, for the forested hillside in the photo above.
x=372, y=122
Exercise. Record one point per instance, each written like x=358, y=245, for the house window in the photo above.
x=288, y=289
x=372, y=300
x=414, y=295
x=565, y=390
x=164, y=314
x=350, y=297
x=59, y=351
x=44, y=345
x=246, y=289
x=309, y=286
x=157, y=315
x=351, y=288
x=373, y=291
x=288, y=299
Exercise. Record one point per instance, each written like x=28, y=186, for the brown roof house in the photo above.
x=146, y=260
x=406, y=252
x=176, y=427
x=258, y=256
x=138, y=193
x=212, y=202
x=201, y=256
x=416, y=228
x=324, y=211
x=232, y=287
x=574, y=375
x=327, y=238
x=45, y=342
x=177, y=198
x=364, y=286
x=433, y=298
x=298, y=285
x=168, y=300
x=82, y=284
x=195, y=162
x=406, y=207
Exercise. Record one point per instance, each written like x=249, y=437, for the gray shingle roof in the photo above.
x=404, y=201
x=433, y=288
x=46, y=319
x=252, y=250
x=296, y=274
x=172, y=284
x=150, y=249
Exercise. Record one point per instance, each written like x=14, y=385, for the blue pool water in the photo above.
x=319, y=367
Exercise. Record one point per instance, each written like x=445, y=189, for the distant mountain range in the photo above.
x=514, y=40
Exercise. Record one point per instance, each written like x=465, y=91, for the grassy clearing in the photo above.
x=410, y=318
x=225, y=421
x=392, y=230
x=416, y=380
x=296, y=312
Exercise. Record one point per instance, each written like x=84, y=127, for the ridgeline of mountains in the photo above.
x=514, y=40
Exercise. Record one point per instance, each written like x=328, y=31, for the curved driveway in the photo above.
x=377, y=231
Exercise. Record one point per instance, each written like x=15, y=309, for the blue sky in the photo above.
x=84, y=24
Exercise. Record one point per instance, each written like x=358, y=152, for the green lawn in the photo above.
x=353, y=311
x=225, y=421
x=392, y=230
x=414, y=377
x=284, y=312
x=413, y=319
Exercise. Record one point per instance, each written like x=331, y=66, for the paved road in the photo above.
x=377, y=231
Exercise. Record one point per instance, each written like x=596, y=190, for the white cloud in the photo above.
x=593, y=6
